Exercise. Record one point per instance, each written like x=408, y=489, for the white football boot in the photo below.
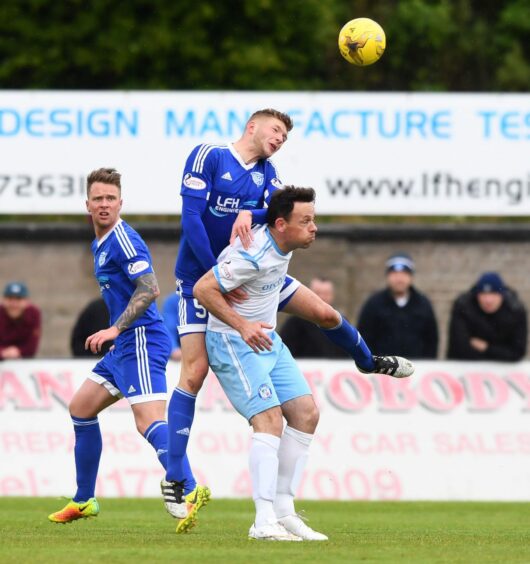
x=395, y=366
x=272, y=531
x=295, y=525
x=173, y=494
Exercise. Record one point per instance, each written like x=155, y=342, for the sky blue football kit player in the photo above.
x=255, y=368
x=224, y=189
x=135, y=367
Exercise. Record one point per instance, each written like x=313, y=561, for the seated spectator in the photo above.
x=170, y=314
x=399, y=320
x=20, y=323
x=303, y=338
x=94, y=317
x=488, y=323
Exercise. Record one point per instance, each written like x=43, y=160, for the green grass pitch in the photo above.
x=139, y=530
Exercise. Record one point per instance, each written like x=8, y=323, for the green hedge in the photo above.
x=432, y=45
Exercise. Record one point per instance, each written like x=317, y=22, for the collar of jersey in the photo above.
x=277, y=249
x=106, y=236
x=238, y=158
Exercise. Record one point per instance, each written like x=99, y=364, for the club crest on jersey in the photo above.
x=136, y=267
x=257, y=177
x=264, y=392
x=193, y=182
x=102, y=258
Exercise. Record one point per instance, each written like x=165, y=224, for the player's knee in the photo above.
x=312, y=418
x=306, y=419
x=73, y=408
x=269, y=421
x=326, y=316
x=78, y=408
x=193, y=375
x=141, y=426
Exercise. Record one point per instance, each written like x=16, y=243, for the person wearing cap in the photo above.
x=20, y=323
x=399, y=319
x=488, y=322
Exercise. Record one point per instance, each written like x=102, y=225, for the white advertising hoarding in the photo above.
x=453, y=431
x=364, y=153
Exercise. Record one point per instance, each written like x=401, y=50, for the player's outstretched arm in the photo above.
x=143, y=296
x=208, y=292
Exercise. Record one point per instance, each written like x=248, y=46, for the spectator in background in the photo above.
x=20, y=323
x=170, y=315
x=488, y=323
x=303, y=338
x=399, y=319
x=93, y=318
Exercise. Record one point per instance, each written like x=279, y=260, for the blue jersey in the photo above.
x=216, y=185
x=120, y=257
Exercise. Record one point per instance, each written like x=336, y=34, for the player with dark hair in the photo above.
x=136, y=367
x=255, y=368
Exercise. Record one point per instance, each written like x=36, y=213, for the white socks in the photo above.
x=276, y=470
x=292, y=454
x=263, y=462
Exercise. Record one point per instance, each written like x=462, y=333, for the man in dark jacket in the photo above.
x=399, y=319
x=488, y=323
x=20, y=323
x=94, y=317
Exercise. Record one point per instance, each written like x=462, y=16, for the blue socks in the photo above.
x=170, y=450
x=156, y=435
x=87, y=453
x=349, y=339
x=180, y=419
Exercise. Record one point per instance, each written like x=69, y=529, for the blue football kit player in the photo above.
x=135, y=367
x=225, y=189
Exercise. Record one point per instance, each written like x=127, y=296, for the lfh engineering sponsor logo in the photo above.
x=513, y=191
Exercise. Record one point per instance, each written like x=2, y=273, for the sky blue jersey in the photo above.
x=120, y=257
x=216, y=184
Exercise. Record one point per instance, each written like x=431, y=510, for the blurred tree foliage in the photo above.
x=432, y=45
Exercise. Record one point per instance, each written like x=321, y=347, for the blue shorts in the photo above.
x=254, y=382
x=193, y=317
x=136, y=367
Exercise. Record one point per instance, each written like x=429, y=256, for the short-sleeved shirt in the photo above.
x=260, y=271
x=217, y=174
x=120, y=257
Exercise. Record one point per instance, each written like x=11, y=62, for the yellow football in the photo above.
x=362, y=41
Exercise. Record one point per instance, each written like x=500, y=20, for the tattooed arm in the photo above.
x=145, y=294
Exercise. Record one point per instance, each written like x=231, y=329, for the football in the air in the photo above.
x=362, y=41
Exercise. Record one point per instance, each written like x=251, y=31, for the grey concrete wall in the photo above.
x=443, y=270
x=59, y=274
x=60, y=279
